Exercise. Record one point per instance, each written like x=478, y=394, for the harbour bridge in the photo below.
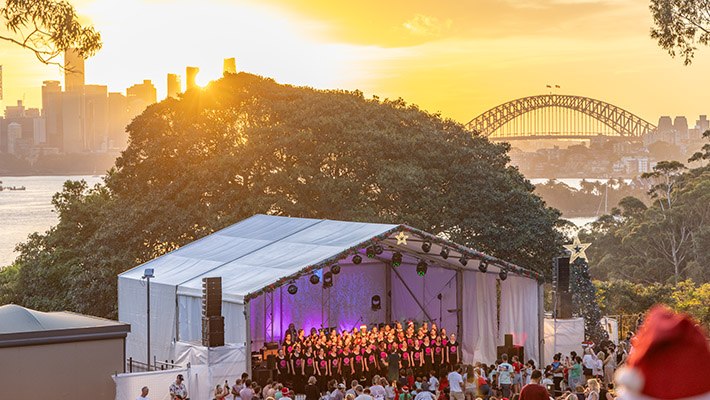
x=555, y=116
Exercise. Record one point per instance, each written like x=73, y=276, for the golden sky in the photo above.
x=457, y=57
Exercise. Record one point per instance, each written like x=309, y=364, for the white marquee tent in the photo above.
x=258, y=259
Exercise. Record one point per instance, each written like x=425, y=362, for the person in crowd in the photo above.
x=144, y=393
x=534, y=390
x=312, y=392
x=471, y=388
x=574, y=375
x=377, y=390
x=588, y=363
x=518, y=374
x=444, y=394
x=220, y=392
x=391, y=391
x=247, y=392
x=287, y=394
x=349, y=396
x=557, y=373
x=453, y=354
x=579, y=392
x=456, y=383
x=505, y=376
x=484, y=389
x=177, y=390
x=278, y=391
x=425, y=393
x=599, y=366
x=593, y=392
x=352, y=391
x=433, y=381
x=338, y=393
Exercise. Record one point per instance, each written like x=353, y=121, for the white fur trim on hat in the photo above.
x=630, y=382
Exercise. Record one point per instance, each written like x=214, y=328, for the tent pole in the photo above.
x=541, y=322
x=388, y=293
x=429, y=318
x=459, y=304
x=247, y=317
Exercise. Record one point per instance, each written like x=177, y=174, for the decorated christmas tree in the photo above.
x=584, y=294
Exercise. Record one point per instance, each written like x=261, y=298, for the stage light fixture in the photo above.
x=292, y=289
x=327, y=279
x=357, y=259
x=370, y=252
x=376, y=303
x=444, y=253
x=396, y=259
x=314, y=279
x=426, y=246
x=378, y=249
x=421, y=268
x=503, y=274
x=463, y=260
x=483, y=266
x=334, y=269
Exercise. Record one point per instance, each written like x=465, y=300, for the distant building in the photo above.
x=73, y=134
x=118, y=119
x=229, y=66
x=190, y=77
x=174, y=85
x=665, y=124
x=52, y=112
x=31, y=129
x=14, y=135
x=73, y=71
x=703, y=124
x=96, y=108
x=680, y=124
x=140, y=96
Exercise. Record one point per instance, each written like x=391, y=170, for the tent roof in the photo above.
x=266, y=249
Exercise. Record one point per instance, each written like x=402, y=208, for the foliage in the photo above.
x=589, y=199
x=246, y=145
x=584, y=300
x=620, y=297
x=665, y=242
x=681, y=24
x=48, y=28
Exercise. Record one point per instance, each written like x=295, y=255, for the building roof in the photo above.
x=20, y=326
x=268, y=250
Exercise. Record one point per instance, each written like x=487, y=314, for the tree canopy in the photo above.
x=679, y=25
x=47, y=28
x=247, y=145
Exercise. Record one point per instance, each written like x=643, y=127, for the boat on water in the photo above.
x=12, y=188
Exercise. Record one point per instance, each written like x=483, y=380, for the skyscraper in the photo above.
x=190, y=76
x=703, y=123
x=680, y=124
x=230, y=66
x=118, y=118
x=73, y=71
x=140, y=96
x=174, y=85
x=96, y=121
x=52, y=112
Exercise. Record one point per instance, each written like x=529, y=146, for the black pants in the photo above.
x=557, y=381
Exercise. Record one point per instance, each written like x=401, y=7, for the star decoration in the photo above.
x=577, y=249
x=401, y=238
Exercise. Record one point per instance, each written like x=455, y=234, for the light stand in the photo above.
x=147, y=275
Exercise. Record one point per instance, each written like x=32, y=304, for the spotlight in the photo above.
x=357, y=259
x=335, y=269
x=426, y=246
x=463, y=260
x=375, y=303
x=370, y=252
x=396, y=259
x=421, y=268
x=327, y=279
x=292, y=289
x=314, y=279
x=378, y=248
x=444, y=253
x=483, y=266
x=503, y=274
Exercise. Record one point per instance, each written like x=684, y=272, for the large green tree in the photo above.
x=680, y=25
x=248, y=145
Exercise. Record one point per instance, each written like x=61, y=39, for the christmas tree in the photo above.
x=584, y=294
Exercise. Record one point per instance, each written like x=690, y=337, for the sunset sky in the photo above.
x=456, y=57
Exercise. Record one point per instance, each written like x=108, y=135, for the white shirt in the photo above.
x=588, y=361
x=378, y=392
x=364, y=397
x=598, y=367
x=455, y=382
x=424, y=395
x=143, y=398
x=433, y=383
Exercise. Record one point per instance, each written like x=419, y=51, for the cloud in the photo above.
x=422, y=25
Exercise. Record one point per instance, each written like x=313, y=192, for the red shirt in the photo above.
x=533, y=391
x=517, y=366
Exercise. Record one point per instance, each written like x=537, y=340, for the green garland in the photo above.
x=471, y=254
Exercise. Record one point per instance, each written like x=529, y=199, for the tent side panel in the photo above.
x=426, y=289
x=132, y=308
x=519, y=313
x=190, y=320
x=480, y=329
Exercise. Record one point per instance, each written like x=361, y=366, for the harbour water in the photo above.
x=23, y=212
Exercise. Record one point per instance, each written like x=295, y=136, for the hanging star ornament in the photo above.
x=576, y=249
x=401, y=238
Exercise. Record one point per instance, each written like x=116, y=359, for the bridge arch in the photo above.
x=618, y=120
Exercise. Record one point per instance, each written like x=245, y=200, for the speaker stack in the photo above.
x=564, y=297
x=212, y=319
x=510, y=349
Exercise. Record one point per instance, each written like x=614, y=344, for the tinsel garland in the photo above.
x=470, y=254
x=584, y=300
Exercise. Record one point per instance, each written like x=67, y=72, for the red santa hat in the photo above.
x=670, y=360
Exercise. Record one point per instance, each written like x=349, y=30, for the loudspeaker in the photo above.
x=261, y=376
x=511, y=350
x=271, y=361
x=213, y=331
x=564, y=305
x=211, y=297
x=562, y=268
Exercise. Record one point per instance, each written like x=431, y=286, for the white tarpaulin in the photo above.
x=210, y=366
x=519, y=314
x=128, y=386
x=567, y=338
x=263, y=250
x=611, y=326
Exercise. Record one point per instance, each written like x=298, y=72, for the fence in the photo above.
x=138, y=366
